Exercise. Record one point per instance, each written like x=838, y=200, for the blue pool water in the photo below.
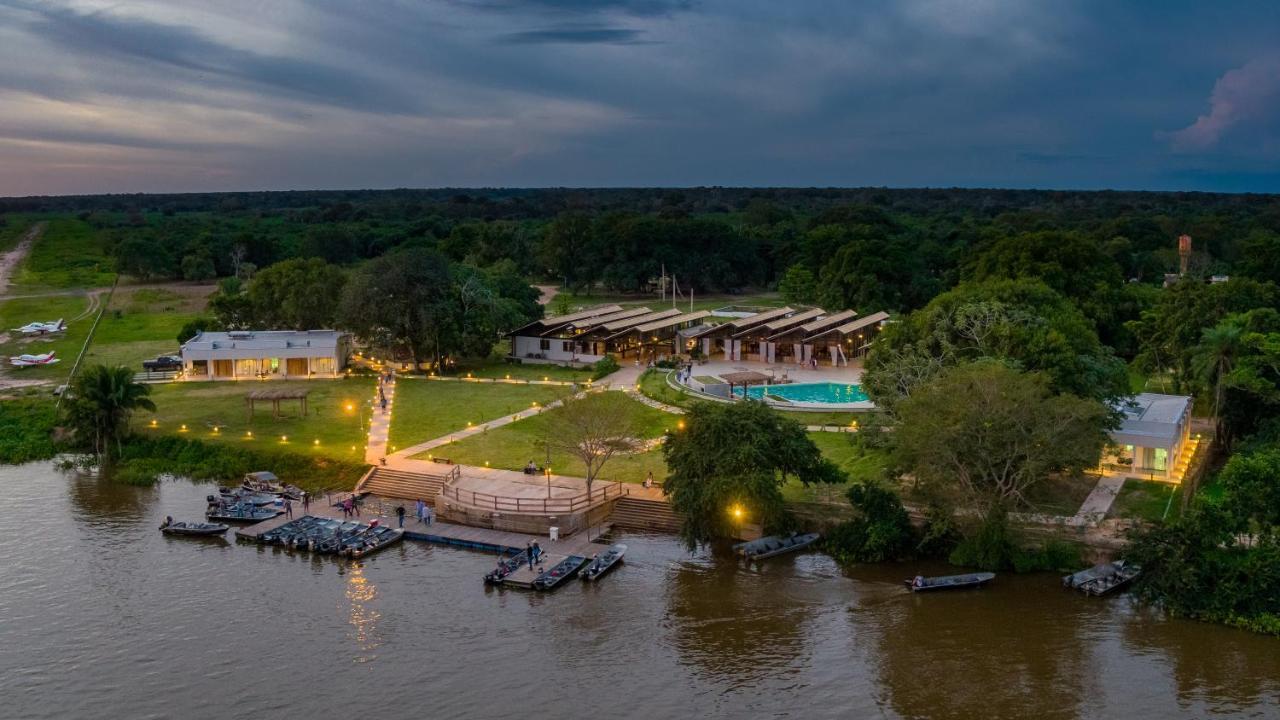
x=822, y=392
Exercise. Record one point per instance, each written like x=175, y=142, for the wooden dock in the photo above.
x=443, y=533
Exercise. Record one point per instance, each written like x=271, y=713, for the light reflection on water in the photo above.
x=101, y=616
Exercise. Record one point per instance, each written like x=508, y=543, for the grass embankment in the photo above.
x=428, y=409
x=512, y=446
x=69, y=254
x=26, y=429
x=204, y=406
x=75, y=309
x=146, y=459
x=141, y=323
x=1147, y=500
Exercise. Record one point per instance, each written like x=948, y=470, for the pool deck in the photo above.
x=850, y=374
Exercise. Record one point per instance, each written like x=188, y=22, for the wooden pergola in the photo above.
x=746, y=379
x=275, y=397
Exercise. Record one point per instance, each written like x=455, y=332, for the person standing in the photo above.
x=355, y=505
x=288, y=508
x=400, y=515
x=528, y=549
x=306, y=501
x=421, y=510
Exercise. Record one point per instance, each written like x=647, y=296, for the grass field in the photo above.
x=20, y=311
x=13, y=229
x=141, y=323
x=67, y=255
x=1146, y=500
x=857, y=464
x=202, y=406
x=498, y=368
x=512, y=446
x=427, y=409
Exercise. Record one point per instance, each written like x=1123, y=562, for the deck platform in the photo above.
x=441, y=533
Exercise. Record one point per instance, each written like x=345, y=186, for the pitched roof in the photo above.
x=774, y=326
x=541, y=324
x=851, y=327
x=670, y=321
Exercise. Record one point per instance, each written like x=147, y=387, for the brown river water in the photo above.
x=101, y=616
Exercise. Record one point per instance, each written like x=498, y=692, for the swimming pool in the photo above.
x=820, y=392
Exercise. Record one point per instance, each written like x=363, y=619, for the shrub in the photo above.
x=882, y=531
x=604, y=367
x=26, y=430
x=990, y=548
x=146, y=460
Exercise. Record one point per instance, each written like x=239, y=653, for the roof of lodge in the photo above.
x=1153, y=416
x=737, y=325
x=774, y=326
x=676, y=320
x=852, y=327
x=556, y=320
x=828, y=321
x=264, y=340
x=610, y=317
x=637, y=320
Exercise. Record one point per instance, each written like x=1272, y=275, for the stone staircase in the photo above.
x=403, y=485
x=633, y=513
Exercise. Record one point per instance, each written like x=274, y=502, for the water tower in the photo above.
x=1184, y=253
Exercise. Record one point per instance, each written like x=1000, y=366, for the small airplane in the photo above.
x=33, y=360
x=42, y=328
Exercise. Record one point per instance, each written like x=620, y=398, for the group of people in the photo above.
x=351, y=506
x=534, y=552
x=422, y=511
x=531, y=468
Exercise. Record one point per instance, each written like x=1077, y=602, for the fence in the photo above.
x=539, y=506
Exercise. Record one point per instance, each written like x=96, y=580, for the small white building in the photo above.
x=1154, y=440
x=265, y=354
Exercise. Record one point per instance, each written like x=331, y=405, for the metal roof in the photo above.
x=1151, y=416
x=779, y=324
x=668, y=322
x=265, y=340
x=638, y=320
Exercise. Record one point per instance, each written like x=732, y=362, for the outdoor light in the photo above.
x=544, y=379
x=284, y=438
x=679, y=424
x=508, y=376
x=486, y=463
x=248, y=433
x=737, y=512
x=153, y=423
x=183, y=428
x=317, y=442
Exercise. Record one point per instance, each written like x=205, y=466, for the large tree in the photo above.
x=593, y=428
x=982, y=434
x=404, y=302
x=297, y=294
x=737, y=455
x=102, y=401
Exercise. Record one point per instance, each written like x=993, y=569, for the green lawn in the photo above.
x=1146, y=500
x=857, y=464
x=427, y=409
x=202, y=406
x=1060, y=495
x=68, y=255
x=20, y=311
x=514, y=445
x=143, y=323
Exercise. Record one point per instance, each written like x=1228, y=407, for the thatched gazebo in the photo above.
x=745, y=379
x=275, y=397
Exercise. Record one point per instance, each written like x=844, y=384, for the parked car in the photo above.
x=162, y=363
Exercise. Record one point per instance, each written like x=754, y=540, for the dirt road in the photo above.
x=9, y=261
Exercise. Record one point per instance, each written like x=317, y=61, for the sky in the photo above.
x=180, y=96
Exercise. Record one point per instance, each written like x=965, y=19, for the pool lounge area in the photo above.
x=824, y=393
x=789, y=386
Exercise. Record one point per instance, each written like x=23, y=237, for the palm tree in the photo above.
x=1212, y=361
x=103, y=399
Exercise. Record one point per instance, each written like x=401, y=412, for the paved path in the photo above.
x=379, y=424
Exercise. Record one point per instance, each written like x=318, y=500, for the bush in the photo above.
x=604, y=367
x=1054, y=556
x=882, y=531
x=667, y=364
x=990, y=548
x=26, y=430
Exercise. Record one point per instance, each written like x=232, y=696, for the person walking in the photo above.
x=528, y=549
x=355, y=505
x=306, y=501
x=430, y=513
x=288, y=508
x=421, y=511
x=400, y=514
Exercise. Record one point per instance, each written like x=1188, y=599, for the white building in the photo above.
x=1154, y=440
x=265, y=354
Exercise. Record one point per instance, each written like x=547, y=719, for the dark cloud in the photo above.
x=637, y=8
x=584, y=35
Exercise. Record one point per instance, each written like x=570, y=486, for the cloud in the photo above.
x=1244, y=96
x=571, y=34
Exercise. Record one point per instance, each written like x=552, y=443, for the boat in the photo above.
x=193, y=528
x=506, y=566
x=264, y=481
x=1105, y=584
x=238, y=512
x=603, y=562
x=949, y=582
x=376, y=540
x=559, y=572
x=1075, y=580
x=767, y=547
x=242, y=495
x=335, y=541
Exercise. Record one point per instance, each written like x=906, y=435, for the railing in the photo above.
x=539, y=506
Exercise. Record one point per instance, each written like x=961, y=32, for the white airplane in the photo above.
x=33, y=360
x=42, y=328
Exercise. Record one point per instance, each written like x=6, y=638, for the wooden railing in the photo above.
x=540, y=506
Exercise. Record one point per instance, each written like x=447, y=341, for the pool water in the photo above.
x=822, y=392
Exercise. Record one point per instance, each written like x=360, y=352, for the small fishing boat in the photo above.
x=559, y=572
x=1075, y=580
x=949, y=582
x=237, y=512
x=375, y=540
x=241, y=495
x=335, y=541
x=604, y=562
x=506, y=566
x=772, y=545
x=264, y=481
x=1105, y=584
x=193, y=528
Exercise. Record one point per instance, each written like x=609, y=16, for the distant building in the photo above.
x=265, y=354
x=1154, y=440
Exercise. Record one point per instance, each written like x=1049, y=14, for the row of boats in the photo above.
x=589, y=569
x=260, y=496
x=330, y=536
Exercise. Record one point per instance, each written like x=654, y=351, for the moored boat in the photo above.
x=242, y=495
x=192, y=528
x=375, y=540
x=1076, y=579
x=604, y=562
x=949, y=582
x=1110, y=583
x=772, y=545
x=559, y=572
x=506, y=566
x=237, y=512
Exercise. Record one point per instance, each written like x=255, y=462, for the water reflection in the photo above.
x=362, y=618
x=735, y=624
x=100, y=503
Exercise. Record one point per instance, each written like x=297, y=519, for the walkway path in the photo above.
x=1096, y=505
x=475, y=430
x=379, y=424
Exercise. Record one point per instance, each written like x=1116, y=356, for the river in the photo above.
x=101, y=616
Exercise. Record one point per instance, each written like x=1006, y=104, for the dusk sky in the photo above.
x=178, y=96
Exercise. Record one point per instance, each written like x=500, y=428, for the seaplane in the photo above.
x=42, y=328
x=33, y=360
